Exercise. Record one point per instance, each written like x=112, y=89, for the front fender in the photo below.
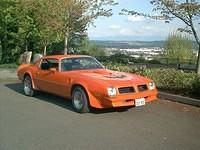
x=95, y=93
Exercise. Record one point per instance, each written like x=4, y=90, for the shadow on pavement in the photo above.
x=110, y=110
x=60, y=101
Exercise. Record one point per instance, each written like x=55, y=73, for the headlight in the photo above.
x=111, y=91
x=152, y=86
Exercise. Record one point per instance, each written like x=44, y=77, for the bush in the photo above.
x=119, y=58
x=196, y=86
x=170, y=80
x=178, y=47
x=154, y=61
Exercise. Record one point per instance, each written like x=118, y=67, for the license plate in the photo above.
x=139, y=102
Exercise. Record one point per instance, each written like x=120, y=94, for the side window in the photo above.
x=49, y=63
x=66, y=64
x=45, y=65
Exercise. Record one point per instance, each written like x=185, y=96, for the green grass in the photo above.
x=14, y=66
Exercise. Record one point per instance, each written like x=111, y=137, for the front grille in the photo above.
x=142, y=88
x=126, y=90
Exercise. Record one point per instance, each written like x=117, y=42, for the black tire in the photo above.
x=80, y=100
x=28, y=87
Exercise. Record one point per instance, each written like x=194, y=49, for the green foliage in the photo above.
x=34, y=25
x=69, y=18
x=170, y=80
x=196, y=86
x=91, y=48
x=154, y=61
x=119, y=67
x=178, y=48
x=8, y=29
x=18, y=29
x=119, y=58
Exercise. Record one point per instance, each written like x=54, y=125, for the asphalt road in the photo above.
x=47, y=122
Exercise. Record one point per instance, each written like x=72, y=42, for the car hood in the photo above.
x=113, y=78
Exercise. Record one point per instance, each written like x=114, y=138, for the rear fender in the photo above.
x=29, y=74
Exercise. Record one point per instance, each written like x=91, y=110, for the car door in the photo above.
x=50, y=79
x=45, y=75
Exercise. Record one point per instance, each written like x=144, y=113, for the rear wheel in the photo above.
x=28, y=88
x=80, y=100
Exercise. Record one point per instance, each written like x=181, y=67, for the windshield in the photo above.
x=80, y=63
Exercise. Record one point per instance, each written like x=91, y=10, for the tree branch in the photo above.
x=175, y=14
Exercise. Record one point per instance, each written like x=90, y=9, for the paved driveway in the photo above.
x=47, y=122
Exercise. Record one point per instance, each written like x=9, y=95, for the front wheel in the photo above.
x=80, y=100
x=28, y=88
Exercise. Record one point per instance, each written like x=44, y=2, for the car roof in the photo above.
x=64, y=56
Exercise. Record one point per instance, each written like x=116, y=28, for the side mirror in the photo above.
x=53, y=70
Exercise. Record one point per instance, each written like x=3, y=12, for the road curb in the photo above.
x=178, y=98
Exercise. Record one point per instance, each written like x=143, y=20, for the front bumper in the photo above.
x=122, y=99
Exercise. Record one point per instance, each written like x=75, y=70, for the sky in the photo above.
x=131, y=28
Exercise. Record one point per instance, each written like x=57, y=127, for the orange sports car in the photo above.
x=86, y=82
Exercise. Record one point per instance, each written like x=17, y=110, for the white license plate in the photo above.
x=139, y=102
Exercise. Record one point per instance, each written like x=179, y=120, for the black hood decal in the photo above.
x=114, y=76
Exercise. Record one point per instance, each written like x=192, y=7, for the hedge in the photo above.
x=170, y=80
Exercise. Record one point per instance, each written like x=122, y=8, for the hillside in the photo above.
x=132, y=44
x=128, y=44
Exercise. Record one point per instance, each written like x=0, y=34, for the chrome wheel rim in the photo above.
x=27, y=86
x=78, y=100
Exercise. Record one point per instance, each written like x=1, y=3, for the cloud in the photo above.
x=114, y=26
x=144, y=30
x=133, y=32
x=147, y=29
x=135, y=18
x=127, y=32
x=150, y=30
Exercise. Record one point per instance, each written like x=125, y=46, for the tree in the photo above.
x=18, y=30
x=28, y=30
x=8, y=30
x=178, y=48
x=90, y=48
x=35, y=24
x=188, y=11
x=70, y=17
x=45, y=25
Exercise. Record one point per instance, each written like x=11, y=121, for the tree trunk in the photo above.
x=45, y=50
x=26, y=45
x=198, y=61
x=0, y=51
x=4, y=54
x=66, y=43
x=194, y=31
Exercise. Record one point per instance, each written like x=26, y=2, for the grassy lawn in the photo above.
x=14, y=66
